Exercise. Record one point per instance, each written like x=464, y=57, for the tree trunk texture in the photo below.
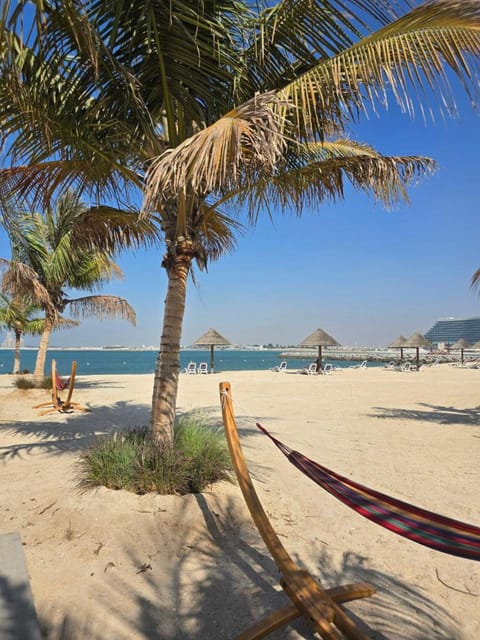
x=39, y=371
x=168, y=361
x=16, y=357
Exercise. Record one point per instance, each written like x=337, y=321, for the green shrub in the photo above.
x=30, y=383
x=24, y=383
x=131, y=460
x=45, y=383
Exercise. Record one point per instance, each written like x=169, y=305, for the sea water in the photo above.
x=114, y=362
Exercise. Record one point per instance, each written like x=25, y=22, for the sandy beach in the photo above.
x=208, y=575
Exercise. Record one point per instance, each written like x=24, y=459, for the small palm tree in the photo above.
x=18, y=318
x=231, y=103
x=48, y=258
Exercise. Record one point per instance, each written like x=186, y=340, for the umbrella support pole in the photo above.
x=309, y=599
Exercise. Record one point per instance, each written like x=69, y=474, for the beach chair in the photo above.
x=57, y=404
x=362, y=365
x=280, y=367
x=328, y=369
x=311, y=370
x=191, y=368
x=319, y=606
x=202, y=367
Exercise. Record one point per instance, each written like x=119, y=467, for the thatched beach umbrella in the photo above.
x=399, y=343
x=319, y=339
x=461, y=344
x=416, y=341
x=211, y=338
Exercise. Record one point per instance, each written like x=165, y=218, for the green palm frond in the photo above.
x=107, y=228
x=102, y=307
x=413, y=58
x=284, y=40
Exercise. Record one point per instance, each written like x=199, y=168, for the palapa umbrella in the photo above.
x=416, y=341
x=461, y=344
x=211, y=338
x=399, y=343
x=319, y=339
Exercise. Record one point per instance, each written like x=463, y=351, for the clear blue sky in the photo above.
x=362, y=274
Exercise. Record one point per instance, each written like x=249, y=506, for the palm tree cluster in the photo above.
x=214, y=108
x=48, y=260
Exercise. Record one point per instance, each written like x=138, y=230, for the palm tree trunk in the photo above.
x=168, y=361
x=16, y=357
x=39, y=370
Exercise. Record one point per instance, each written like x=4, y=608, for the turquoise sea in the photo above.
x=100, y=362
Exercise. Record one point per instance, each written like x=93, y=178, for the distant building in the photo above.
x=450, y=330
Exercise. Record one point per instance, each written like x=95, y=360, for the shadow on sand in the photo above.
x=432, y=413
x=220, y=580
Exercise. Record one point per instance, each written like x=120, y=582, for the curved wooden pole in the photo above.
x=317, y=605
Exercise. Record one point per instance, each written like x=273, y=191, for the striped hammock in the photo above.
x=427, y=528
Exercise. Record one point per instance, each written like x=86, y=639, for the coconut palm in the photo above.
x=230, y=103
x=47, y=260
x=17, y=317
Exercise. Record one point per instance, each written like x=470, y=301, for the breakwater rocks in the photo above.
x=373, y=354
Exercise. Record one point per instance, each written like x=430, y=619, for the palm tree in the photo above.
x=47, y=259
x=18, y=318
x=230, y=103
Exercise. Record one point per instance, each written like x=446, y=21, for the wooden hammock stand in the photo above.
x=57, y=404
x=319, y=606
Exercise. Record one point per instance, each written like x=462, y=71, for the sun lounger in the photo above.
x=311, y=370
x=280, y=367
x=362, y=365
x=191, y=368
x=202, y=367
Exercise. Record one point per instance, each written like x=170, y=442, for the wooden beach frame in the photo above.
x=319, y=606
x=57, y=404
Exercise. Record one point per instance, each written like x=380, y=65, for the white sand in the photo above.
x=415, y=436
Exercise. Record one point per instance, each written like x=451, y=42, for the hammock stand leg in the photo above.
x=319, y=606
x=57, y=404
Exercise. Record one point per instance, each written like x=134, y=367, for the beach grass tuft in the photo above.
x=133, y=461
x=22, y=382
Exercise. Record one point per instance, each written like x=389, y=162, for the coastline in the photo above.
x=410, y=435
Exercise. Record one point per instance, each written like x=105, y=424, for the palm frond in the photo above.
x=21, y=280
x=286, y=39
x=413, y=58
x=475, y=282
x=319, y=172
x=108, y=228
x=245, y=141
x=102, y=307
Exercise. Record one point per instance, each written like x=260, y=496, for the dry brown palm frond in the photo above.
x=102, y=307
x=246, y=140
x=21, y=280
x=386, y=178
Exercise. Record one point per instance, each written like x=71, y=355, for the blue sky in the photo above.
x=362, y=274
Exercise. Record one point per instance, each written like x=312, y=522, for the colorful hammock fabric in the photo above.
x=427, y=528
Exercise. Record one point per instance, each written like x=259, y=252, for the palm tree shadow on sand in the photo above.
x=72, y=432
x=219, y=579
x=432, y=413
